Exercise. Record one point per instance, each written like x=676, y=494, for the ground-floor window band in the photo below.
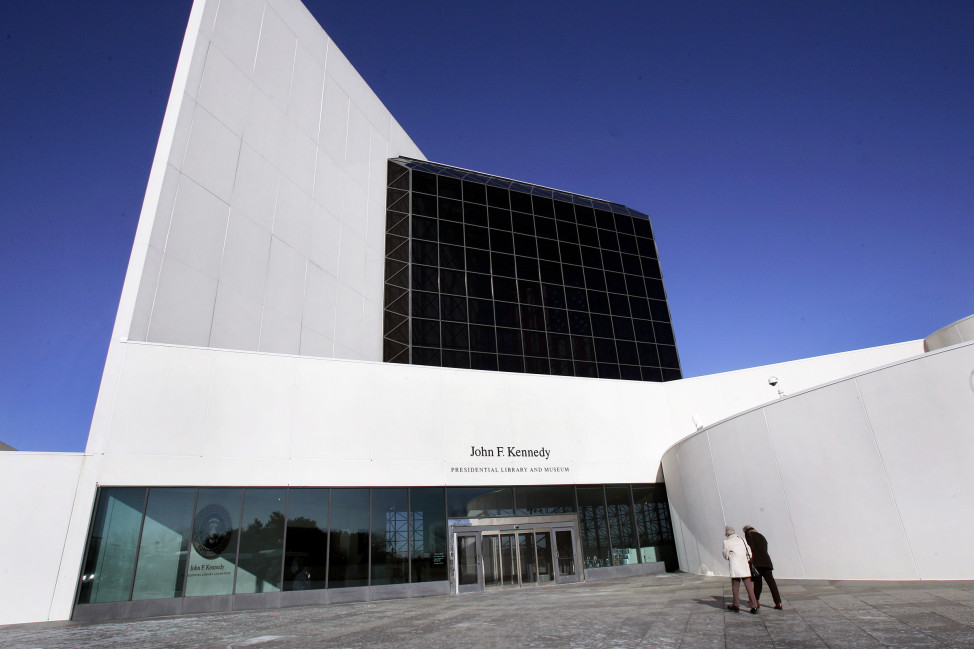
x=170, y=542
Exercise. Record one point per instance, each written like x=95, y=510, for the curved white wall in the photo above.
x=867, y=477
x=961, y=331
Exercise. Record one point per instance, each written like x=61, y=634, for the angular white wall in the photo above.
x=863, y=478
x=264, y=222
x=37, y=496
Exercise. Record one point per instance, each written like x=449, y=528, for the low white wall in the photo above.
x=863, y=478
x=37, y=495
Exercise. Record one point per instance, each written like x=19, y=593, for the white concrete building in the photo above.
x=339, y=372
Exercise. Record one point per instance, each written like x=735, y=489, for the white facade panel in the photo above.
x=37, y=496
x=924, y=436
x=224, y=90
x=703, y=524
x=211, y=155
x=751, y=486
x=827, y=429
x=332, y=418
x=236, y=320
x=160, y=402
x=276, y=99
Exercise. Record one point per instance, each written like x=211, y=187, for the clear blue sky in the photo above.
x=808, y=166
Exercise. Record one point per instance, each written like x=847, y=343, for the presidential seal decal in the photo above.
x=211, y=531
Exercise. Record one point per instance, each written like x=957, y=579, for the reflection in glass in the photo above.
x=110, y=562
x=566, y=552
x=348, y=561
x=621, y=532
x=467, y=560
x=491, y=553
x=390, y=536
x=529, y=564
x=213, y=552
x=653, y=525
x=261, y=541
x=508, y=560
x=592, y=527
x=555, y=499
x=480, y=502
x=163, y=549
x=427, y=531
x=546, y=571
x=306, y=554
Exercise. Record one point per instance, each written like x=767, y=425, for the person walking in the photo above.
x=738, y=555
x=761, y=560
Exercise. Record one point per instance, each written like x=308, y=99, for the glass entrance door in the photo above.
x=470, y=574
x=502, y=557
x=514, y=559
x=565, y=553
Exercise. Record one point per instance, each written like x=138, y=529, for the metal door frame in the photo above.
x=477, y=527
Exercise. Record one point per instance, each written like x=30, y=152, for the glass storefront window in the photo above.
x=653, y=525
x=348, y=561
x=306, y=555
x=261, y=541
x=592, y=527
x=621, y=532
x=390, y=536
x=164, y=547
x=427, y=533
x=213, y=552
x=218, y=541
x=110, y=562
x=535, y=501
x=480, y=502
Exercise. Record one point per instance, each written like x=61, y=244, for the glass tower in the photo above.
x=488, y=273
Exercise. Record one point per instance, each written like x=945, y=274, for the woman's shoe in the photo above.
x=754, y=610
x=778, y=607
x=731, y=607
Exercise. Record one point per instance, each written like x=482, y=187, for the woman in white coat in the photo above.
x=738, y=554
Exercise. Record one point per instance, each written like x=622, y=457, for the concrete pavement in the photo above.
x=665, y=611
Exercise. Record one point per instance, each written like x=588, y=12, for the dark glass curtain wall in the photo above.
x=488, y=273
x=164, y=542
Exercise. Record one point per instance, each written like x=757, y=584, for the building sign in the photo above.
x=509, y=452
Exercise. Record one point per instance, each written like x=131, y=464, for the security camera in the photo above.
x=773, y=381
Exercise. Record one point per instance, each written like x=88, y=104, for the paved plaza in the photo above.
x=666, y=611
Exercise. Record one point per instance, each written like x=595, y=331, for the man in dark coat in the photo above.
x=761, y=560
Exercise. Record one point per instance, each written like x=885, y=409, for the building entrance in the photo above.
x=492, y=554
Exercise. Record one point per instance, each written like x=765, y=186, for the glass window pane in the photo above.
x=213, y=555
x=390, y=536
x=306, y=554
x=653, y=525
x=348, y=562
x=112, y=546
x=166, y=533
x=534, y=501
x=479, y=502
x=529, y=564
x=424, y=182
x=621, y=532
x=261, y=541
x=592, y=527
x=427, y=533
